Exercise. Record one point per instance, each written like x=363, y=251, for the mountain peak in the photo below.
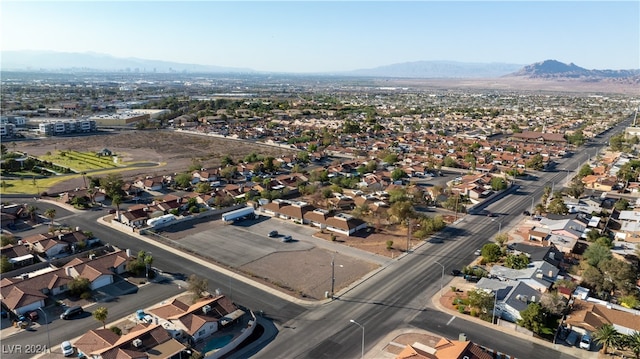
x=557, y=69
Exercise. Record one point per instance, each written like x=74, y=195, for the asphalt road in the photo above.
x=61, y=330
x=398, y=296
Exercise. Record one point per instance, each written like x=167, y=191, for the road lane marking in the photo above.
x=451, y=320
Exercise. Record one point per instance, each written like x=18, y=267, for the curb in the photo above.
x=216, y=267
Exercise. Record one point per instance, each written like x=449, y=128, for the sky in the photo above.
x=325, y=36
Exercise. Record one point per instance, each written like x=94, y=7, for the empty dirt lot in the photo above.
x=173, y=151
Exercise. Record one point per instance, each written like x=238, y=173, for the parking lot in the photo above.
x=302, y=266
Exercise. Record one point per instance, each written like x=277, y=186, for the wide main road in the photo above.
x=399, y=296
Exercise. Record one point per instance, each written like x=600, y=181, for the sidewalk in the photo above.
x=573, y=351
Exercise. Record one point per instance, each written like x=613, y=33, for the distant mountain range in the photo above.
x=550, y=69
x=89, y=61
x=86, y=62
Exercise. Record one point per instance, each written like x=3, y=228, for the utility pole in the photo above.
x=408, y=234
x=333, y=273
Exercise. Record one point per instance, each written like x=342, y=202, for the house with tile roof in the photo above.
x=18, y=254
x=198, y=320
x=143, y=341
x=99, y=271
x=445, y=349
x=591, y=316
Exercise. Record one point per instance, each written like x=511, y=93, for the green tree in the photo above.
x=51, y=214
x=183, y=180
x=481, y=300
x=7, y=239
x=606, y=336
x=620, y=273
x=227, y=160
x=536, y=162
x=632, y=342
x=390, y=158
x=197, y=286
x=79, y=285
x=596, y=253
x=491, y=252
x=203, y=187
x=621, y=204
x=498, y=184
x=576, y=189
x=585, y=170
x=533, y=318
x=101, y=314
x=112, y=185
x=401, y=211
x=397, y=174
x=449, y=162
x=519, y=261
x=5, y=264
x=557, y=206
x=32, y=211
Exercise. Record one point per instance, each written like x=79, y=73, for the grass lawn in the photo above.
x=79, y=161
x=26, y=186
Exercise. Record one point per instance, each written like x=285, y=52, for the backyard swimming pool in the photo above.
x=217, y=343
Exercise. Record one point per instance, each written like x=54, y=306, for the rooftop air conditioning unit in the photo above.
x=206, y=309
x=137, y=343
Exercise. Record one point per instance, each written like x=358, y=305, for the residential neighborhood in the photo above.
x=542, y=190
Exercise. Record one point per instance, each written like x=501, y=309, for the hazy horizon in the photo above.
x=308, y=37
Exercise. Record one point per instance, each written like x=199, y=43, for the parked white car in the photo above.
x=67, y=348
x=585, y=341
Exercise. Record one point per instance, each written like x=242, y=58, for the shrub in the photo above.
x=454, y=289
x=389, y=244
x=333, y=237
x=474, y=313
x=461, y=309
x=85, y=295
x=116, y=330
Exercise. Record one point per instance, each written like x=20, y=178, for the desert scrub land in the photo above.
x=144, y=153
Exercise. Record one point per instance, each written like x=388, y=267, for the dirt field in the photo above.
x=173, y=151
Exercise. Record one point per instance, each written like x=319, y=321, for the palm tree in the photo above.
x=606, y=335
x=116, y=200
x=51, y=214
x=101, y=315
x=632, y=342
x=32, y=211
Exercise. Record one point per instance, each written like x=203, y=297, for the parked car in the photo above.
x=67, y=348
x=585, y=341
x=72, y=312
x=273, y=234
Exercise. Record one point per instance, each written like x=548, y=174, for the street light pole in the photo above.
x=361, y=326
x=441, y=278
x=46, y=320
x=333, y=273
x=495, y=301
